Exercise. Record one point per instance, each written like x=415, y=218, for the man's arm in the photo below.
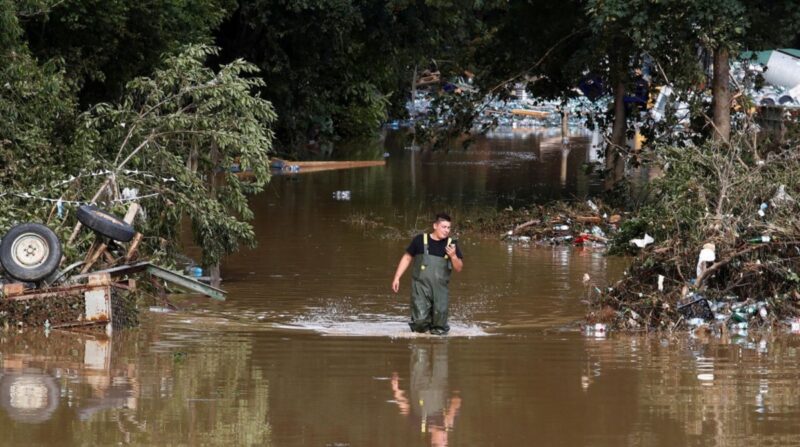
x=458, y=264
x=405, y=261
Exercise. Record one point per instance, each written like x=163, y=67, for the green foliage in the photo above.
x=335, y=68
x=173, y=137
x=180, y=131
x=106, y=43
x=37, y=108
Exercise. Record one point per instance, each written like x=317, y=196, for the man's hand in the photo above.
x=405, y=261
x=451, y=251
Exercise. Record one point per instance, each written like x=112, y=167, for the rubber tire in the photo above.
x=19, y=271
x=105, y=223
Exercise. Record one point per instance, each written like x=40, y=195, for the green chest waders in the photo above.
x=429, y=295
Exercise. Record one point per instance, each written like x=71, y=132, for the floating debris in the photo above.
x=342, y=195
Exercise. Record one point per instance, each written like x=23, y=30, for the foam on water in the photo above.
x=385, y=328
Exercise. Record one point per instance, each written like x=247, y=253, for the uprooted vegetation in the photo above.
x=726, y=195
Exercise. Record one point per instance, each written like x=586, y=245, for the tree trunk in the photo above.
x=414, y=94
x=721, y=94
x=615, y=161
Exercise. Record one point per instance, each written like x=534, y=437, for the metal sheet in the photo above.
x=98, y=304
x=186, y=282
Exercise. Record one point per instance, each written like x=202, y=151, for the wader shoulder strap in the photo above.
x=425, y=242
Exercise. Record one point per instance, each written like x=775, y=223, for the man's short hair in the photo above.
x=442, y=217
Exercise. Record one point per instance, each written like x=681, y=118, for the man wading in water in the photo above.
x=434, y=256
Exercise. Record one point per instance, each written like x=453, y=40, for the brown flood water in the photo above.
x=311, y=347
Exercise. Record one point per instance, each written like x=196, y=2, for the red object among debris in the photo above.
x=583, y=237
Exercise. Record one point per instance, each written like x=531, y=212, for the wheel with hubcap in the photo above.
x=30, y=252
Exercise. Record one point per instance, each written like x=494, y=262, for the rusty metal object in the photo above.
x=74, y=305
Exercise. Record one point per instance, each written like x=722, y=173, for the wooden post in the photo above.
x=131, y=214
x=133, y=247
x=93, y=256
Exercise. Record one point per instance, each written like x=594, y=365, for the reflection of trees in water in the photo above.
x=209, y=395
x=730, y=392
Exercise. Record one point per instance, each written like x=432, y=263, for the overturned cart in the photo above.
x=39, y=294
x=98, y=299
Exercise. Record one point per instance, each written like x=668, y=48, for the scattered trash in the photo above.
x=341, y=195
x=794, y=325
x=705, y=377
x=696, y=321
x=696, y=308
x=553, y=224
x=160, y=310
x=660, y=283
x=643, y=242
x=597, y=330
x=781, y=198
x=130, y=193
x=761, y=239
x=707, y=255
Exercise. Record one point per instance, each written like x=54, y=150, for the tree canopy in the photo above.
x=169, y=138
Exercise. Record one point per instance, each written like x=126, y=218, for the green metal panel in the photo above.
x=186, y=282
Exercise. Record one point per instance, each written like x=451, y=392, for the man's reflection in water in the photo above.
x=428, y=402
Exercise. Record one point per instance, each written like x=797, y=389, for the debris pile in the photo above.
x=578, y=223
x=726, y=253
x=36, y=290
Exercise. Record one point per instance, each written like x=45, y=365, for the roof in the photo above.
x=762, y=57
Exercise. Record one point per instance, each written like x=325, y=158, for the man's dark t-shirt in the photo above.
x=435, y=248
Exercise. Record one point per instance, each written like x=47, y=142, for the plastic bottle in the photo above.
x=739, y=317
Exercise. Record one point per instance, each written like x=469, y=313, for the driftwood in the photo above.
x=589, y=219
x=521, y=226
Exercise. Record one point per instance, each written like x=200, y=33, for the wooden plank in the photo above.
x=52, y=293
x=533, y=113
x=334, y=164
x=15, y=288
x=137, y=239
x=131, y=214
x=300, y=167
x=93, y=256
x=589, y=219
x=99, y=279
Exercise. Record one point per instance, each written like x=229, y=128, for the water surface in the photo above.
x=311, y=347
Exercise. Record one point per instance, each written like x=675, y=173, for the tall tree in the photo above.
x=333, y=68
x=106, y=43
